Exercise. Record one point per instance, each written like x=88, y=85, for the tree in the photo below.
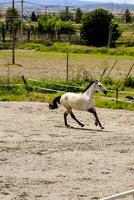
x=67, y=28
x=115, y=33
x=0, y=15
x=29, y=27
x=58, y=28
x=50, y=27
x=12, y=19
x=66, y=15
x=46, y=24
x=95, y=28
x=3, y=30
x=41, y=23
x=78, y=15
x=33, y=17
x=53, y=27
x=127, y=16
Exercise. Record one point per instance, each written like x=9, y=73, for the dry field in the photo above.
x=40, y=159
x=52, y=65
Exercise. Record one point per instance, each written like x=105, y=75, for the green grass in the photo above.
x=58, y=50
x=13, y=93
x=79, y=49
x=19, y=93
x=127, y=27
x=114, y=105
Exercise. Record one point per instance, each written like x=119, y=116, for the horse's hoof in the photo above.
x=68, y=126
x=102, y=127
x=82, y=125
x=96, y=123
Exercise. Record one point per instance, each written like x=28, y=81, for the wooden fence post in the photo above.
x=8, y=74
x=117, y=94
x=13, y=34
x=25, y=83
x=104, y=71
x=112, y=68
x=67, y=67
x=129, y=72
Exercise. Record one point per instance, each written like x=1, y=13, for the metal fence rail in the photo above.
x=58, y=84
x=120, y=195
x=70, y=86
x=30, y=87
x=117, y=100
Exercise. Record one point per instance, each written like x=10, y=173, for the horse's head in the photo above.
x=100, y=87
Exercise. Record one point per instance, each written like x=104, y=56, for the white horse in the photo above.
x=83, y=101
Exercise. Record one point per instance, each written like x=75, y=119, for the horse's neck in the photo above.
x=90, y=91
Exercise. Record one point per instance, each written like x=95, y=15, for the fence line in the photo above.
x=61, y=91
x=46, y=89
x=121, y=92
x=120, y=195
x=71, y=86
x=119, y=100
x=11, y=84
x=108, y=98
x=79, y=87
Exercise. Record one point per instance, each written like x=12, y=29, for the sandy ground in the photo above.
x=40, y=159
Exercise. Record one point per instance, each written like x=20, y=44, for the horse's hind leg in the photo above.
x=65, y=118
x=73, y=116
x=97, y=121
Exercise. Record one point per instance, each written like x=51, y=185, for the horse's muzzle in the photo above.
x=105, y=92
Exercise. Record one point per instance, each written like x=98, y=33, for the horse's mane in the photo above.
x=88, y=86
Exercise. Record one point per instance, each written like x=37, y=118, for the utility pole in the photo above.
x=46, y=10
x=112, y=6
x=22, y=1
x=110, y=35
x=13, y=34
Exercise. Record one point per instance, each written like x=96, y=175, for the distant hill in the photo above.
x=74, y=3
x=108, y=6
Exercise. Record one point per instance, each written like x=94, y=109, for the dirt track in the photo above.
x=40, y=159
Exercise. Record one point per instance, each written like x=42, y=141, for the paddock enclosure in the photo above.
x=47, y=65
x=40, y=159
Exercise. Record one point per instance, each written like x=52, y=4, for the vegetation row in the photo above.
x=35, y=93
x=87, y=27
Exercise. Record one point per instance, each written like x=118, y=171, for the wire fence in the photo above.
x=31, y=87
x=81, y=88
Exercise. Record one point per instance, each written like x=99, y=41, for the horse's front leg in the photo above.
x=97, y=121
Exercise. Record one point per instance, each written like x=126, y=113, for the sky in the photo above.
x=105, y=1
x=114, y=1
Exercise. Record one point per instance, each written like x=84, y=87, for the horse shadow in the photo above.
x=84, y=129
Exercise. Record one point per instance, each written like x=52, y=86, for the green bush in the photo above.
x=64, y=46
x=129, y=82
x=5, y=45
x=108, y=81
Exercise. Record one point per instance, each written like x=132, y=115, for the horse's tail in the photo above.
x=54, y=103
